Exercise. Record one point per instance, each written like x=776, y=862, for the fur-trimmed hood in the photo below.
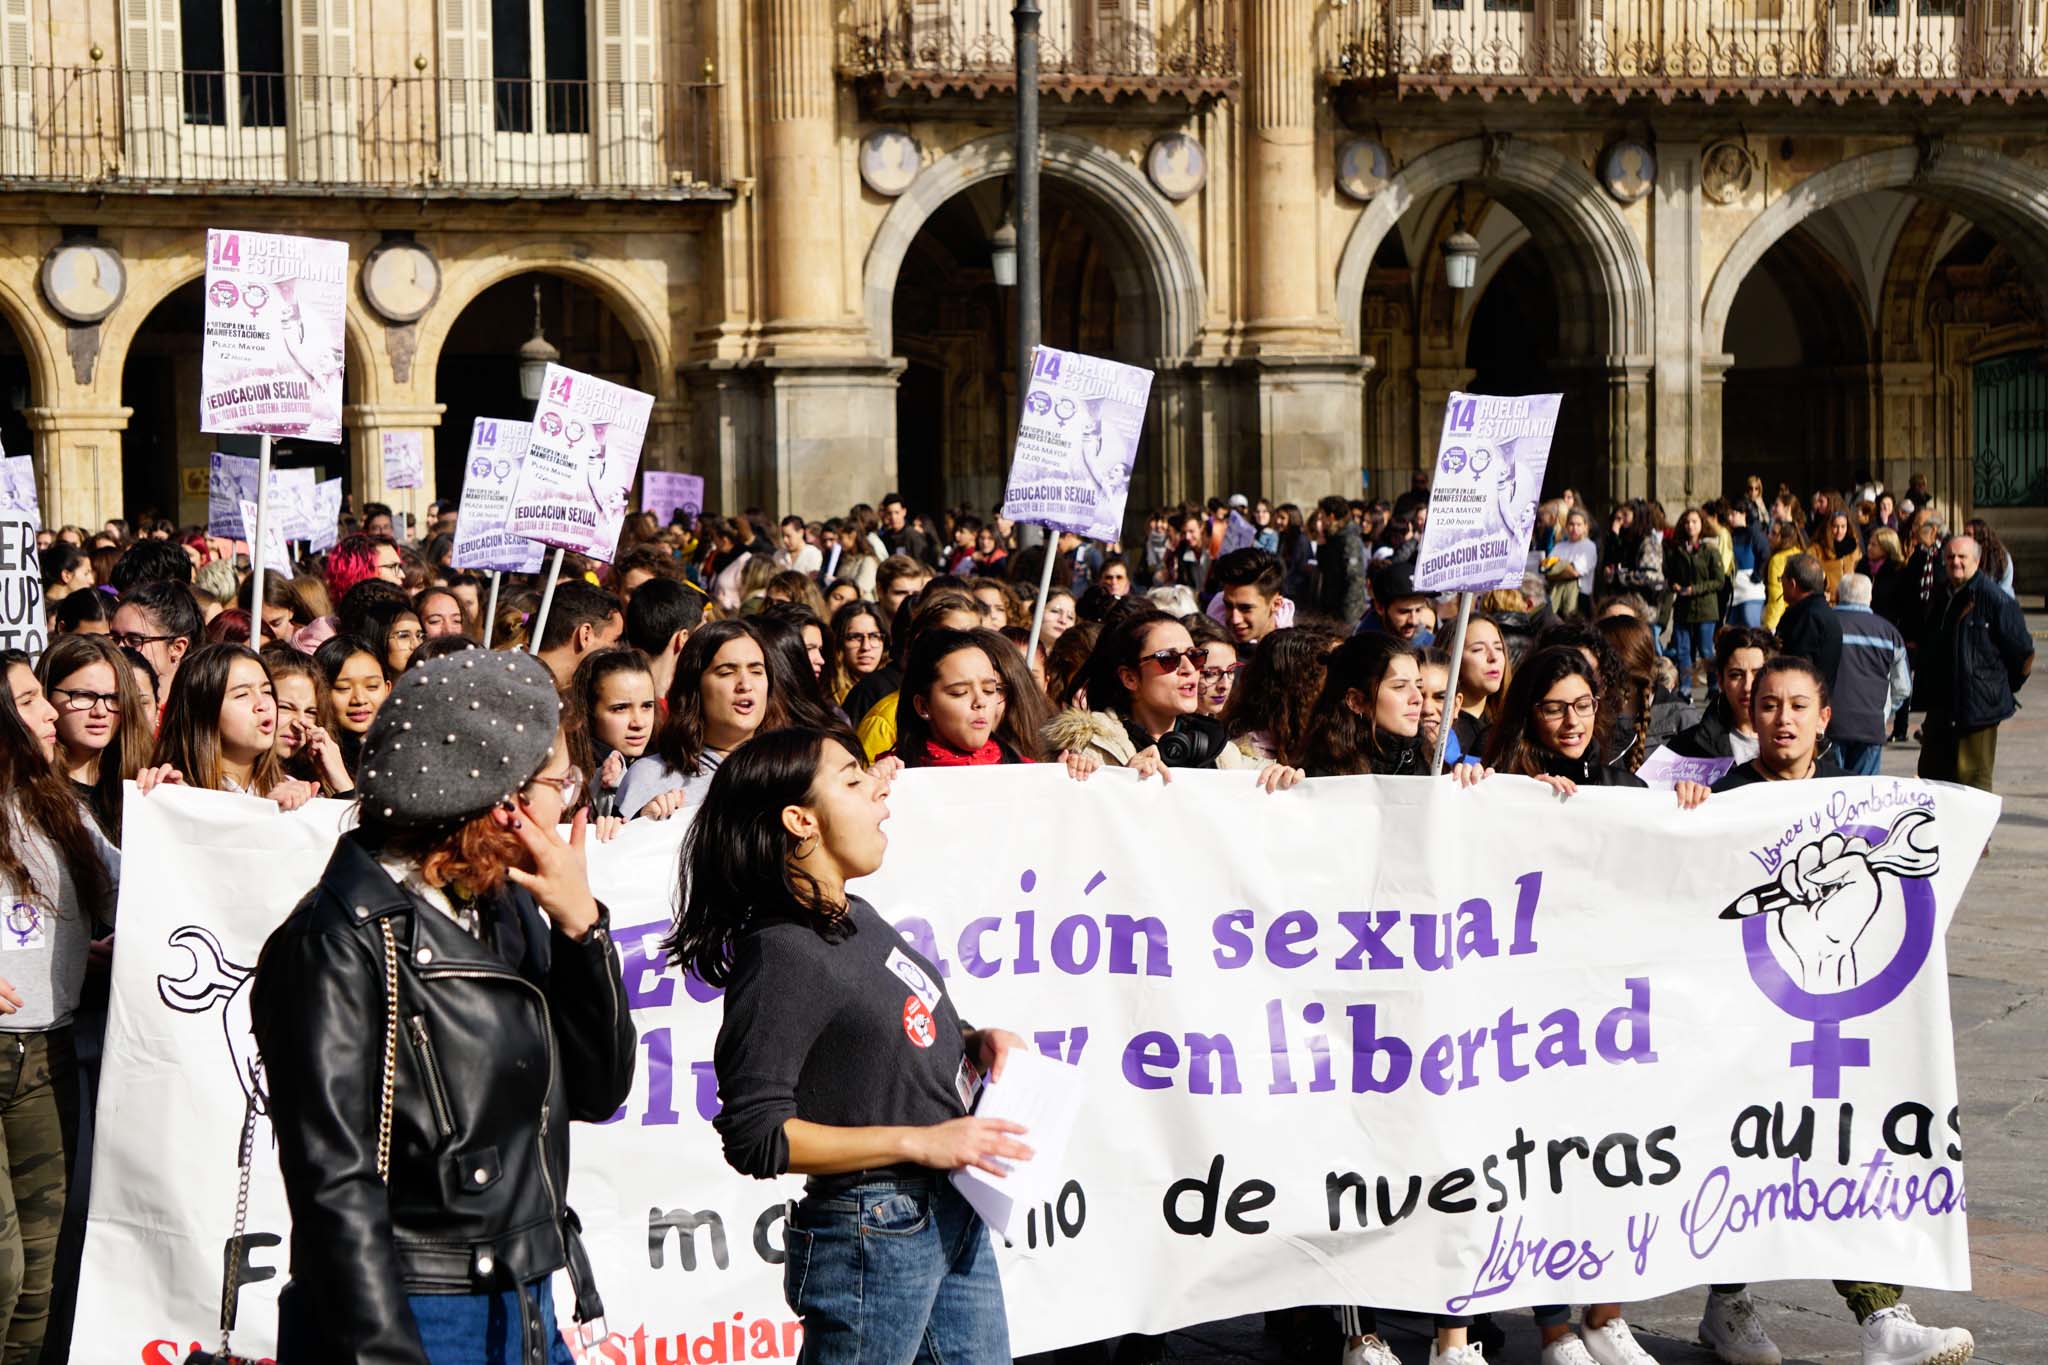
x=1076, y=731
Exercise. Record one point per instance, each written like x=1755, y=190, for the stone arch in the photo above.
x=2007, y=198
x=1170, y=272
x=1589, y=246
x=45, y=378
x=466, y=280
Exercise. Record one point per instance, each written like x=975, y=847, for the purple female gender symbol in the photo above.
x=1827, y=1052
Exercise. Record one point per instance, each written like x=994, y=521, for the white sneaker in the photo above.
x=1468, y=1354
x=1370, y=1351
x=1891, y=1337
x=1567, y=1350
x=1732, y=1330
x=1612, y=1343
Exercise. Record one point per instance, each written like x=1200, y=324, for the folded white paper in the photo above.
x=1044, y=1096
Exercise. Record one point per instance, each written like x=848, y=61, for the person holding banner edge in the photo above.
x=827, y=1067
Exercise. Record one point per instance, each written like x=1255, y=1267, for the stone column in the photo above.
x=1434, y=386
x=1906, y=421
x=78, y=455
x=797, y=207
x=1281, y=281
x=830, y=431
x=1309, y=409
x=369, y=422
x=1677, y=436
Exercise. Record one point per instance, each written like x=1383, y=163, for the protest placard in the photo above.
x=293, y=499
x=326, y=516
x=18, y=488
x=276, y=558
x=1077, y=439
x=580, y=461
x=1667, y=768
x=664, y=493
x=230, y=486
x=405, y=459
x=1482, y=502
x=497, y=446
x=271, y=361
x=1335, y=1050
x=21, y=584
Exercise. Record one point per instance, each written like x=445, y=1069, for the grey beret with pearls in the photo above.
x=457, y=735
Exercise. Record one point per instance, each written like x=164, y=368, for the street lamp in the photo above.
x=535, y=356
x=1002, y=253
x=1461, y=252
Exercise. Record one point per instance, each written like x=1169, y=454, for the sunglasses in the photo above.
x=1169, y=660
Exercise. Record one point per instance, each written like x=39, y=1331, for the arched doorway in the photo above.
x=477, y=374
x=15, y=397
x=1578, y=249
x=1797, y=406
x=956, y=329
x=164, y=455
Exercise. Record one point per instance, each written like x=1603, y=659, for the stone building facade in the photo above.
x=1806, y=239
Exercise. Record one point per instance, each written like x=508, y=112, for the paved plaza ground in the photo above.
x=1998, y=982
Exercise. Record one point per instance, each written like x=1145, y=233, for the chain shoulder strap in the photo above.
x=390, y=1051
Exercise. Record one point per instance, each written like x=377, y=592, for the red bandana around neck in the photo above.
x=937, y=755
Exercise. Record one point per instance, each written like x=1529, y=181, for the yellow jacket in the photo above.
x=1774, y=587
x=877, y=729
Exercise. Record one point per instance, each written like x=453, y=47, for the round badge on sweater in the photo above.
x=917, y=1022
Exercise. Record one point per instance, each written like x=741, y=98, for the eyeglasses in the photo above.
x=128, y=639
x=1583, y=708
x=408, y=637
x=1169, y=659
x=1217, y=675
x=86, y=701
x=863, y=637
x=569, y=784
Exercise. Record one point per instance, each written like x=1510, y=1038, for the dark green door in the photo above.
x=2011, y=395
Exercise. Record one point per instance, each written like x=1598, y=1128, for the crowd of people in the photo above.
x=767, y=678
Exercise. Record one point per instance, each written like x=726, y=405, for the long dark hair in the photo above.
x=1117, y=648
x=1341, y=740
x=1024, y=709
x=680, y=742
x=737, y=869
x=36, y=798
x=579, y=705
x=1512, y=746
x=1278, y=691
x=129, y=752
x=189, y=738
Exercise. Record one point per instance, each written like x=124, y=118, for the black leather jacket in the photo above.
x=494, y=1060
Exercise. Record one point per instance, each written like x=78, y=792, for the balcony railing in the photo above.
x=1780, y=48
x=1109, y=47
x=107, y=128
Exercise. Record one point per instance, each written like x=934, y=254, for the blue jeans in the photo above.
x=894, y=1270
x=490, y=1329
x=1688, y=643
x=1861, y=760
x=1746, y=613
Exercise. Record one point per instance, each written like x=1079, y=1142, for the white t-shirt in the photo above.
x=1582, y=555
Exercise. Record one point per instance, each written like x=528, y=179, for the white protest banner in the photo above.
x=22, y=624
x=230, y=486
x=1482, y=502
x=580, y=462
x=18, y=488
x=294, y=502
x=326, y=515
x=405, y=459
x=664, y=493
x=496, y=449
x=1334, y=1049
x=1667, y=768
x=1077, y=438
x=272, y=358
x=276, y=558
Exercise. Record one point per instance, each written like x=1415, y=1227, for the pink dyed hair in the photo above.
x=353, y=559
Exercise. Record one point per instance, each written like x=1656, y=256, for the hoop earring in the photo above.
x=804, y=849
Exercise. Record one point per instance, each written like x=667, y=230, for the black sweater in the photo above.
x=854, y=1034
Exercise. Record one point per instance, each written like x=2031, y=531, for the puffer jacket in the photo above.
x=500, y=1045
x=1104, y=734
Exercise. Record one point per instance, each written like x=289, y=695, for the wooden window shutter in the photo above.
x=324, y=106
x=150, y=57
x=466, y=92
x=625, y=102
